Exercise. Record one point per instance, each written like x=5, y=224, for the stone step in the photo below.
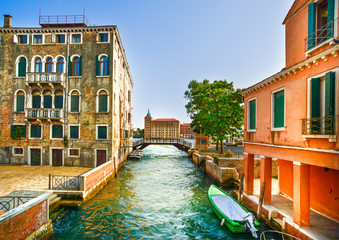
x=54, y=203
x=70, y=203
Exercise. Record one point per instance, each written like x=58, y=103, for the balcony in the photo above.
x=320, y=36
x=46, y=78
x=321, y=127
x=44, y=113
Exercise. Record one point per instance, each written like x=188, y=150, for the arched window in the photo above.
x=49, y=65
x=60, y=65
x=76, y=66
x=20, y=101
x=103, y=66
x=103, y=101
x=47, y=99
x=59, y=99
x=75, y=102
x=37, y=65
x=22, y=67
x=36, y=100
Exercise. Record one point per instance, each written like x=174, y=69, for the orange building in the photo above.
x=186, y=131
x=161, y=128
x=292, y=116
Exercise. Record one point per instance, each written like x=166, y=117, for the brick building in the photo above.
x=292, y=116
x=65, y=94
x=161, y=127
x=186, y=131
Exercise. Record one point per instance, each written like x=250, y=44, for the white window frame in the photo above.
x=54, y=38
x=16, y=38
x=44, y=63
x=15, y=100
x=69, y=152
x=18, y=155
x=51, y=155
x=248, y=114
x=51, y=132
x=96, y=157
x=71, y=38
x=29, y=131
x=97, y=132
x=272, y=110
x=56, y=62
x=108, y=39
x=33, y=63
x=17, y=65
x=70, y=100
x=29, y=155
x=97, y=100
x=69, y=131
x=36, y=34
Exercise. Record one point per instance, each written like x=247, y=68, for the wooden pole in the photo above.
x=261, y=199
x=241, y=187
x=49, y=182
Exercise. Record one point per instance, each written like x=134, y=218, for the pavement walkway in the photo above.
x=14, y=178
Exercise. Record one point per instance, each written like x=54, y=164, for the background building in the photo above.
x=161, y=128
x=186, y=131
x=66, y=94
x=292, y=116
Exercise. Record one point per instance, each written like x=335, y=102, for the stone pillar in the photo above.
x=301, y=194
x=249, y=173
x=266, y=176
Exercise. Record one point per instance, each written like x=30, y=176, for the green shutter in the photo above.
x=108, y=65
x=253, y=114
x=57, y=132
x=75, y=103
x=102, y=103
x=18, y=131
x=74, y=132
x=36, y=102
x=315, y=97
x=22, y=67
x=59, y=102
x=279, y=109
x=329, y=94
x=69, y=66
x=20, y=103
x=47, y=101
x=35, y=131
x=80, y=66
x=102, y=132
x=97, y=66
x=330, y=18
x=24, y=131
x=311, y=25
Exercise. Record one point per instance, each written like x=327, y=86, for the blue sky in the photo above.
x=170, y=42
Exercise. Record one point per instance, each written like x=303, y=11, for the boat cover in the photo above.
x=230, y=208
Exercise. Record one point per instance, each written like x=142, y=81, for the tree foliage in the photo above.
x=216, y=109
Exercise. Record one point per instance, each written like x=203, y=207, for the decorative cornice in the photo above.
x=58, y=30
x=294, y=69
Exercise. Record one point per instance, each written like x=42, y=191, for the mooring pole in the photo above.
x=261, y=199
x=241, y=187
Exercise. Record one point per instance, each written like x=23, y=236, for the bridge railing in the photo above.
x=163, y=141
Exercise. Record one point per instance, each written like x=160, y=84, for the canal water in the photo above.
x=163, y=196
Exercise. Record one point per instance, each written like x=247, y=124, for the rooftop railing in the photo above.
x=76, y=20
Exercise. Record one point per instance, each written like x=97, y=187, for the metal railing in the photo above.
x=9, y=203
x=63, y=19
x=64, y=182
x=320, y=35
x=54, y=78
x=163, y=141
x=319, y=126
x=44, y=113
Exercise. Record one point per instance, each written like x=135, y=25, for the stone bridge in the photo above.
x=181, y=144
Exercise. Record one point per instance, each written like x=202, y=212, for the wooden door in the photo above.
x=56, y=157
x=35, y=157
x=101, y=157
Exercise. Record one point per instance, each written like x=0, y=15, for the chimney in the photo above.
x=7, y=21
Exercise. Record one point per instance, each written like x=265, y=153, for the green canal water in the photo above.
x=163, y=196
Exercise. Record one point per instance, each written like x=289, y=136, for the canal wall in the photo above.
x=28, y=221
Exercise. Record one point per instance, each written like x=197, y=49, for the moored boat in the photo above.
x=135, y=155
x=233, y=215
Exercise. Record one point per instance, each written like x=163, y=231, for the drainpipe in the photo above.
x=66, y=96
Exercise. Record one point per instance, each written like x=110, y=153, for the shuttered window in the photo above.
x=103, y=101
x=279, y=109
x=59, y=101
x=75, y=100
x=20, y=102
x=74, y=132
x=47, y=101
x=36, y=101
x=311, y=25
x=57, y=131
x=102, y=132
x=329, y=94
x=35, y=131
x=330, y=18
x=22, y=67
x=252, y=114
x=18, y=131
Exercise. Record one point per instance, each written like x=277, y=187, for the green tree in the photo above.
x=215, y=108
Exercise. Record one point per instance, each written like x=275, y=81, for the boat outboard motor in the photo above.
x=249, y=219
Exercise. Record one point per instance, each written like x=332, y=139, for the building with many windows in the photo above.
x=292, y=117
x=186, y=131
x=65, y=94
x=161, y=127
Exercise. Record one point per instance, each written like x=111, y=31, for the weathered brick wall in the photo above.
x=98, y=174
x=24, y=224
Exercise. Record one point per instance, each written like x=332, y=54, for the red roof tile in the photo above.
x=166, y=119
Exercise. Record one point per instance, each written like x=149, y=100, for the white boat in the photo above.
x=135, y=155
